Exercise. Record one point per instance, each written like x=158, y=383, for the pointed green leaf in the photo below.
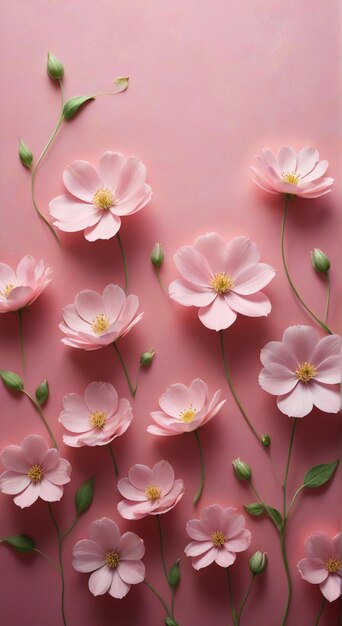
x=42, y=392
x=255, y=508
x=21, y=543
x=84, y=496
x=11, y=380
x=275, y=517
x=72, y=106
x=122, y=83
x=319, y=475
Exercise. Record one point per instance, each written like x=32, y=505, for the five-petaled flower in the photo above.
x=293, y=174
x=222, y=280
x=20, y=288
x=98, y=198
x=301, y=370
x=113, y=559
x=323, y=565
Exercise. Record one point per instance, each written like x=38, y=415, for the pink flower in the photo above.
x=98, y=197
x=218, y=535
x=299, y=174
x=149, y=491
x=300, y=369
x=185, y=408
x=97, y=418
x=222, y=279
x=94, y=321
x=22, y=287
x=323, y=566
x=113, y=558
x=34, y=471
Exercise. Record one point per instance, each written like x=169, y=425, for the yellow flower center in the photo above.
x=305, y=372
x=35, y=473
x=218, y=539
x=100, y=324
x=188, y=415
x=112, y=559
x=221, y=283
x=103, y=198
x=153, y=493
x=332, y=566
x=8, y=289
x=290, y=177
x=97, y=419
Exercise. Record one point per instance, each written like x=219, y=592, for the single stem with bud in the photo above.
x=132, y=387
x=245, y=598
x=201, y=483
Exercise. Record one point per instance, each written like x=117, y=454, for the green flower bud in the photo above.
x=20, y=543
x=42, y=392
x=25, y=154
x=174, y=575
x=147, y=358
x=72, y=106
x=242, y=469
x=157, y=255
x=320, y=261
x=170, y=622
x=258, y=562
x=266, y=440
x=11, y=380
x=55, y=68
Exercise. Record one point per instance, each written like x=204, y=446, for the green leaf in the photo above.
x=21, y=543
x=84, y=496
x=170, y=622
x=255, y=508
x=11, y=380
x=275, y=517
x=319, y=475
x=42, y=392
x=72, y=106
x=25, y=154
x=174, y=575
x=122, y=83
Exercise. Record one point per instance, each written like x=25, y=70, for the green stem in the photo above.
x=116, y=469
x=162, y=548
x=320, y=612
x=60, y=558
x=41, y=415
x=45, y=557
x=283, y=530
x=328, y=297
x=294, y=499
x=160, y=281
x=21, y=333
x=132, y=388
x=158, y=596
x=201, y=483
x=71, y=527
x=124, y=260
x=296, y=293
x=245, y=598
x=231, y=599
x=232, y=389
x=284, y=486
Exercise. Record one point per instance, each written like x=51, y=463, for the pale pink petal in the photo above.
x=88, y=305
x=196, y=531
x=26, y=270
x=130, y=492
x=164, y=431
x=106, y=533
x=277, y=379
x=271, y=160
x=252, y=278
x=218, y=315
x=132, y=176
x=50, y=460
x=88, y=556
x=312, y=189
x=254, y=305
x=75, y=416
x=266, y=175
x=198, y=391
x=129, y=309
x=176, y=399
x=297, y=403
x=105, y=228
x=224, y=558
x=331, y=587
x=118, y=589
x=167, y=502
x=306, y=160
x=240, y=542
x=71, y=215
x=320, y=545
x=206, y=559
x=195, y=548
x=318, y=171
x=135, y=511
x=337, y=546
x=110, y=166
x=131, y=547
x=28, y=496
x=100, y=580
x=232, y=523
x=20, y=297
x=12, y=483
x=213, y=408
x=212, y=246
x=49, y=492
x=325, y=348
x=13, y=459
x=194, y=267
x=163, y=476
x=189, y=294
x=133, y=202
x=131, y=572
x=214, y=518
x=279, y=352
x=302, y=341
x=240, y=252
x=140, y=476
x=74, y=321
x=326, y=399
x=7, y=276
x=114, y=299
x=260, y=183
x=82, y=180
x=34, y=448
x=101, y=397
x=287, y=159
x=313, y=570
x=59, y=475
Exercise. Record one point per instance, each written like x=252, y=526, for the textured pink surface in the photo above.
x=211, y=84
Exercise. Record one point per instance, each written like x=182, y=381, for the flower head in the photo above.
x=97, y=417
x=98, y=198
x=184, y=409
x=222, y=280
x=149, y=491
x=323, y=565
x=95, y=320
x=218, y=535
x=297, y=174
x=301, y=370
x=114, y=559
x=33, y=470
x=22, y=287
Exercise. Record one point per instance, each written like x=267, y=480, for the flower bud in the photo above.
x=170, y=622
x=55, y=68
x=157, y=255
x=11, y=380
x=174, y=575
x=42, y=392
x=258, y=562
x=147, y=358
x=25, y=154
x=20, y=543
x=242, y=469
x=266, y=440
x=320, y=261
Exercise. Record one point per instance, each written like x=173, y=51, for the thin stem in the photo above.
x=132, y=388
x=160, y=281
x=116, y=469
x=71, y=527
x=282, y=532
x=45, y=557
x=231, y=599
x=162, y=548
x=284, y=486
x=201, y=482
x=295, y=291
x=294, y=499
x=245, y=598
x=320, y=611
x=21, y=333
x=41, y=415
x=328, y=297
x=158, y=596
x=232, y=389
x=60, y=558
x=124, y=260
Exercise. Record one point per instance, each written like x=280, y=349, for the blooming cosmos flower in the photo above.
x=222, y=279
x=33, y=470
x=97, y=417
x=300, y=369
x=113, y=558
x=98, y=197
x=323, y=566
x=22, y=287
x=94, y=321
x=218, y=535
x=149, y=491
x=299, y=174
x=184, y=409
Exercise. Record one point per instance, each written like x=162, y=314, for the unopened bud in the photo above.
x=25, y=154
x=147, y=358
x=320, y=261
x=11, y=380
x=55, y=68
x=157, y=255
x=174, y=575
x=170, y=622
x=266, y=440
x=42, y=392
x=242, y=469
x=258, y=562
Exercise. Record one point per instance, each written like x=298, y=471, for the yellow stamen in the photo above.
x=332, y=566
x=103, y=198
x=221, y=283
x=35, y=473
x=218, y=539
x=291, y=177
x=153, y=493
x=8, y=289
x=305, y=372
x=112, y=559
x=188, y=415
x=100, y=324
x=97, y=419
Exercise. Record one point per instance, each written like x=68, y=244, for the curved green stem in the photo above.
x=231, y=599
x=45, y=557
x=71, y=527
x=41, y=415
x=294, y=499
x=328, y=297
x=132, y=388
x=284, y=486
x=320, y=611
x=116, y=469
x=232, y=389
x=124, y=260
x=60, y=558
x=162, y=548
x=21, y=333
x=245, y=598
x=295, y=291
x=158, y=596
x=201, y=483
x=282, y=532
x=160, y=281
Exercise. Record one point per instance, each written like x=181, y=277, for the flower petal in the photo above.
x=252, y=278
x=224, y=557
x=105, y=533
x=130, y=492
x=13, y=459
x=75, y=416
x=7, y=276
x=131, y=572
x=218, y=315
x=101, y=397
x=176, y=399
x=306, y=161
x=140, y=476
x=326, y=399
x=34, y=448
x=287, y=159
x=317, y=172
x=118, y=589
x=313, y=570
x=28, y=496
x=277, y=379
x=101, y=580
x=89, y=304
x=131, y=547
x=82, y=180
x=88, y=556
x=195, y=548
x=331, y=587
x=105, y=228
x=188, y=294
x=194, y=267
x=240, y=252
x=254, y=305
x=71, y=215
x=110, y=166
x=212, y=247
x=12, y=483
x=302, y=341
x=205, y=559
x=196, y=530
x=297, y=403
x=163, y=476
x=114, y=300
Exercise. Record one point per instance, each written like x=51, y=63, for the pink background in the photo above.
x=211, y=84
